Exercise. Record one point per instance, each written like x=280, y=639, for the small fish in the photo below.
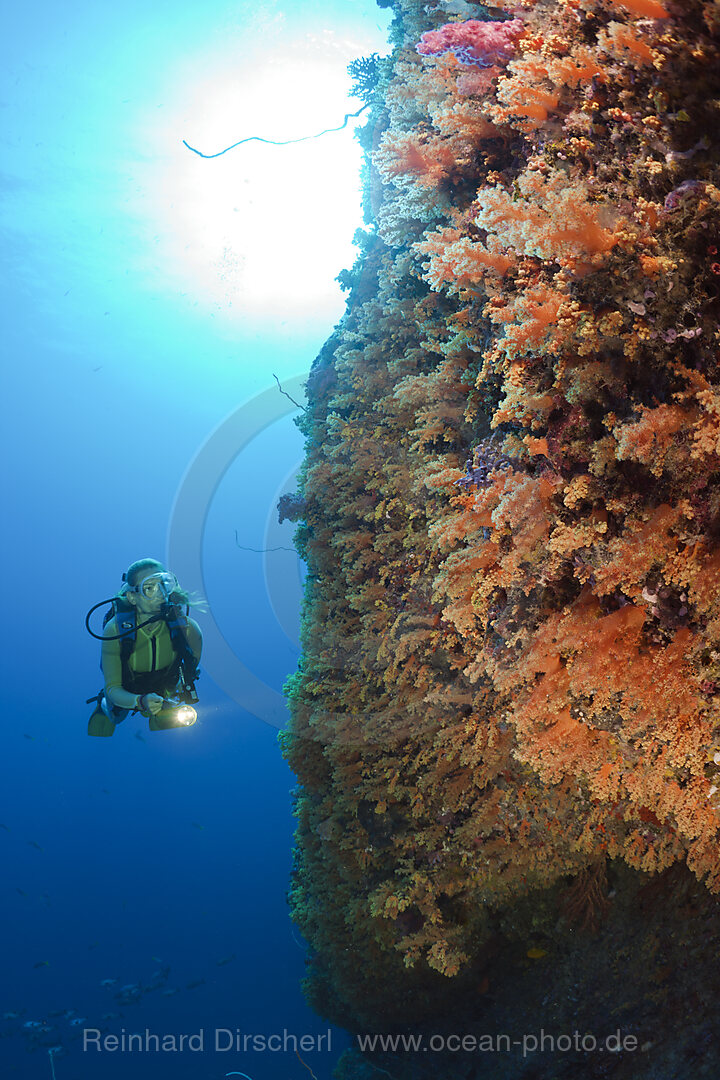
x=169, y=993
x=110, y=1016
x=42, y=963
x=536, y=954
x=109, y=982
x=453, y=7
x=31, y=1025
x=3, y=826
x=194, y=984
x=21, y=891
x=225, y=960
x=139, y=737
x=32, y=843
x=30, y=737
x=196, y=826
x=11, y=1016
x=78, y=1021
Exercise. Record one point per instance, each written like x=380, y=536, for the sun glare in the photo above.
x=262, y=231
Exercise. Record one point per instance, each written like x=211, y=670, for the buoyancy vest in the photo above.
x=156, y=680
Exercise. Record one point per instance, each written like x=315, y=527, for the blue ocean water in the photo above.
x=142, y=417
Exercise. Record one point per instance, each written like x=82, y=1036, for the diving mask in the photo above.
x=157, y=586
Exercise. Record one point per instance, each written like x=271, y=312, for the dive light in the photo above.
x=178, y=712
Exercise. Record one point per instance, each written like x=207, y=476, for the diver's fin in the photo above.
x=100, y=724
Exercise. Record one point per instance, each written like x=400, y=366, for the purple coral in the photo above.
x=483, y=44
x=485, y=461
x=689, y=187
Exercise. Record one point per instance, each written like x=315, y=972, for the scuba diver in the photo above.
x=150, y=652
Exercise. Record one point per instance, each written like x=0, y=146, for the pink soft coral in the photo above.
x=474, y=42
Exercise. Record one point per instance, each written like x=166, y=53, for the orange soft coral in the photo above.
x=532, y=320
x=553, y=219
x=645, y=9
x=625, y=44
x=456, y=261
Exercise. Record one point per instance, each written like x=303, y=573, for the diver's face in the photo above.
x=151, y=591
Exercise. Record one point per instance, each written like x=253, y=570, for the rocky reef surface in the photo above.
x=506, y=722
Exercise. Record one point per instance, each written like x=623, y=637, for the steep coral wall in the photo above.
x=511, y=668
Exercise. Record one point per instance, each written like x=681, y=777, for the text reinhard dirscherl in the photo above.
x=219, y=1040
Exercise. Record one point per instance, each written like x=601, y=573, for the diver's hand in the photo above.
x=151, y=703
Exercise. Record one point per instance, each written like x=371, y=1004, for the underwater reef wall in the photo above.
x=510, y=682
